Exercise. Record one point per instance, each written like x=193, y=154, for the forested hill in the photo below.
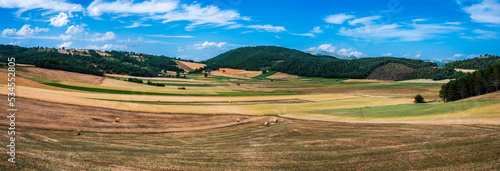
x=259, y=57
x=304, y=64
x=90, y=61
x=475, y=63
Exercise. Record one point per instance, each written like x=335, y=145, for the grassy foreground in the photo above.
x=290, y=144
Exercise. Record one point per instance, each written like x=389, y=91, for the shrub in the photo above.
x=419, y=99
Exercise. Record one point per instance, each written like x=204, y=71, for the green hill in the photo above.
x=475, y=63
x=90, y=61
x=304, y=64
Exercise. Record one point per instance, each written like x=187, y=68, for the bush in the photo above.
x=419, y=99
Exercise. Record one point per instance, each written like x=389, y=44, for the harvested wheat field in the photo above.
x=280, y=75
x=189, y=66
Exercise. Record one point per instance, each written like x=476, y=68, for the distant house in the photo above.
x=181, y=88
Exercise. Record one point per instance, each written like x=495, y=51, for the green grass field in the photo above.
x=410, y=110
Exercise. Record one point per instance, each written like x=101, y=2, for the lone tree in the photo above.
x=419, y=99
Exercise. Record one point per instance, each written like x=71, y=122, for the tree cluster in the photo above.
x=482, y=81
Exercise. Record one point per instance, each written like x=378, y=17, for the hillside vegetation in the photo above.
x=475, y=63
x=482, y=81
x=90, y=62
x=304, y=64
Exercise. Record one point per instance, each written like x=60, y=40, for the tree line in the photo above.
x=119, y=62
x=480, y=82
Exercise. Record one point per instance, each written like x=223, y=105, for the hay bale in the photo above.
x=77, y=132
x=238, y=120
x=117, y=119
x=293, y=101
x=266, y=123
x=230, y=102
x=275, y=120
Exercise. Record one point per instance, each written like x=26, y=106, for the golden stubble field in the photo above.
x=219, y=128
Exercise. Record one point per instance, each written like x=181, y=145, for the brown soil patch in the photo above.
x=189, y=66
x=47, y=115
x=281, y=75
x=57, y=75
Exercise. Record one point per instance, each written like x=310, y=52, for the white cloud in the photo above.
x=387, y=54
x=64, y=37
x=453, y=23
x=419, y=20
x=317, y=30
x=48, y=5
x=268, y=28
x=199, y=16
x=170, y=36
x=364, y=20
x=107, y=47
x=9, y=32
x=98, y=7
x=304, y=34
x=408, y=32
x=488, y=11
x=234, y=26
x=458, y=55
x=25, y=31
x=324, y=47
x=350, y=52
x=98, y=37
x=417, y=55
x=59, y=20
x=338, y=18
x=74, y=29
x=210, y=46
x=484, y=34
x=137, y=24
x=65, y=45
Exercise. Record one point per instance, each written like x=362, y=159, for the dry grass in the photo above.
x=58, y=75
x=189, y=66
x=280, y=75
x=464, y=70
x=430, y=81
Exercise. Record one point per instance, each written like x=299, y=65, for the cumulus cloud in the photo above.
x=350, y=52
x=59, y=20
x=333, y=49
x=268, y=28
x=100, y=37
x=25, y=31
x=338, y=18
x=488, y=11
x=210, y=46
x=317, y=30
x=458, y=55
x=75, y=29
x=64, y=44
x=64, y=37
x=107, y=47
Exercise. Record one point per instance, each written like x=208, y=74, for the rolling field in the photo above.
x=218, y=123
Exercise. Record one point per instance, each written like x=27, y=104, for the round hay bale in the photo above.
x=238, y=120
x=293, y=101
x=117, y=119
x=275, y=120
x=77, y=132
x=266, y=123
x=230, y=102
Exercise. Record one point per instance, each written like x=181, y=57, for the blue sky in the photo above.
x=198, y=30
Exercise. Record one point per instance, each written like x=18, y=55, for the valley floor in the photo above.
x=218, y=123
